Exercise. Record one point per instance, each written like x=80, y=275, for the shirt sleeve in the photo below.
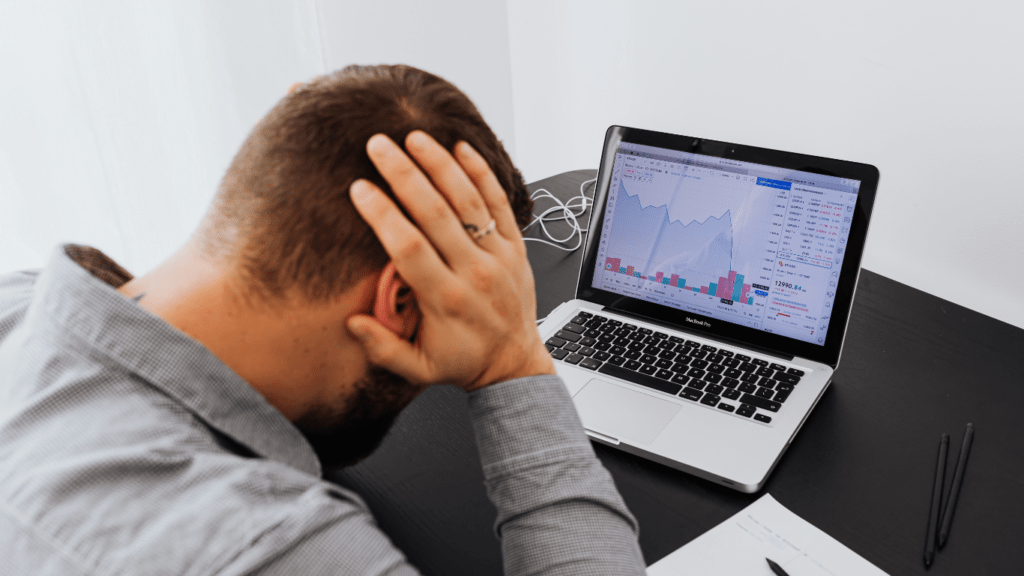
x=15, y=295
x=559, y=512
x=558, y=509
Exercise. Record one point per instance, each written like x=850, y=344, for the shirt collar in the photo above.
x=77, y=294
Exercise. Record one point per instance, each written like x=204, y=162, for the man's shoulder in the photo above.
x=176, y=501
x=107, y=471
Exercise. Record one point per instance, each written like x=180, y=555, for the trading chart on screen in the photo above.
x=750, y=244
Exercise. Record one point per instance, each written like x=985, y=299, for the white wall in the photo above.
x=930, y=92
x=463, y=41
x=119, y=117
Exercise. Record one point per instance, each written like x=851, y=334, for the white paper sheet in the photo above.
x=765, y=529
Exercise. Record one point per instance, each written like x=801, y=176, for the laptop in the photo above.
x=713, y=298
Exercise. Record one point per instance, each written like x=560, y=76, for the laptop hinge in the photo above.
x=678, y=328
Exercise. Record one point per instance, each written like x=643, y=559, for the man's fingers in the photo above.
x=418, y=195
x=487, y=183
x=386, y=349
x=414, y=257
x=449, y=178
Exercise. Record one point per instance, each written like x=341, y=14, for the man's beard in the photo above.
x=342, y=436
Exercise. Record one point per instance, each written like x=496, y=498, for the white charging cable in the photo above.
x=582, y=202
x=562, y=211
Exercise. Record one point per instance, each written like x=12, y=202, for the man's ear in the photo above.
x=395, y=305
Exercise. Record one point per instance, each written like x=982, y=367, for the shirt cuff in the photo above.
x=522, y=417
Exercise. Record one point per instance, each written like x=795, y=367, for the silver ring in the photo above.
x=476, y=233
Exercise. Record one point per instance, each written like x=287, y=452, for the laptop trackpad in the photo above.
x=623, y=413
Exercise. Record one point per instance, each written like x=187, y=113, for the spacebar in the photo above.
x=761, y=402
x=641, y=379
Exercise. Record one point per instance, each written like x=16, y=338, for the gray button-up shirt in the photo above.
x=126, y=447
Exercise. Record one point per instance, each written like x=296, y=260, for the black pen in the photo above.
x=933, y=516
x=776, y=568
x=958, y=478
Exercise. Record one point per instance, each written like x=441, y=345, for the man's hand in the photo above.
x=476, y=297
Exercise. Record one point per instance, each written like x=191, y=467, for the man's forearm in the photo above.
x=558, y=509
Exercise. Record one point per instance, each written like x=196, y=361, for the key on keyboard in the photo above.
x=641, y=379
x=571, y=327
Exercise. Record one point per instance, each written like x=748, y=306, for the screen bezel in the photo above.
x=828, y=353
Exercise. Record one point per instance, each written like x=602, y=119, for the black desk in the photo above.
x=861, y=469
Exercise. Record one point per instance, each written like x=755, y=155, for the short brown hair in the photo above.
x=282, y=212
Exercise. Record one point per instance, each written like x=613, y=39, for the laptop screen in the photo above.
x=751, y=244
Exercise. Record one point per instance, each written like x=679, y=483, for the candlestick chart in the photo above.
x=647, y=244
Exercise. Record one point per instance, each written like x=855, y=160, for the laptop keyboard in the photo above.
x=737, y=383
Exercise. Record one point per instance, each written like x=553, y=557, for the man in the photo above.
x=179, y=422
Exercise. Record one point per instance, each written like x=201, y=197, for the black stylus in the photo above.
x=776, y=568
x=933, y=516
x=958, y=478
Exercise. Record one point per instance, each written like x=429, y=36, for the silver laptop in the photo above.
x=713, y=298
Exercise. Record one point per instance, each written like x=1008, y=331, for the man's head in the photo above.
x=302, y=260
x=282, y=212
